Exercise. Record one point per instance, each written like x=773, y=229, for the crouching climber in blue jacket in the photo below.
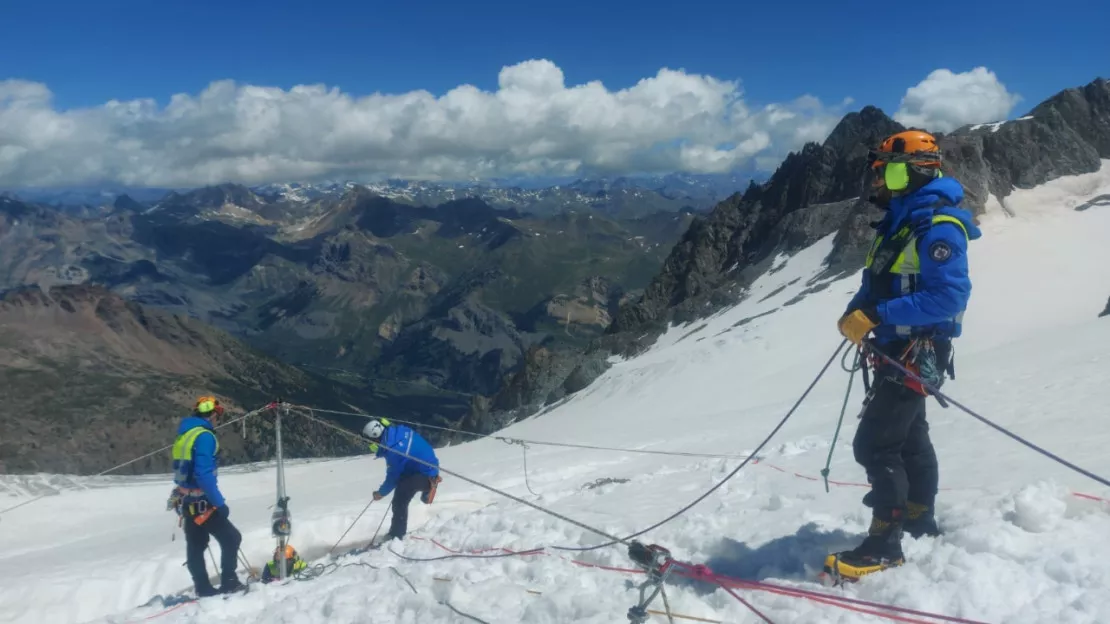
x=197, y=498
x=411, y=467
x=913, y=296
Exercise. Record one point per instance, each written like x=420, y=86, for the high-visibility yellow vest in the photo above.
x=906, y=266
x=183, y=453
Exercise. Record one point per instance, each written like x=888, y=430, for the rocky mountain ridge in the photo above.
x=623, y=196
x=818, y=191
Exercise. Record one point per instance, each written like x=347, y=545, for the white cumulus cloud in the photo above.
x=534, y=123
x=945, y=100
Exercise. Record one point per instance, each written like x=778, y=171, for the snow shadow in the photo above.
x=797, y=556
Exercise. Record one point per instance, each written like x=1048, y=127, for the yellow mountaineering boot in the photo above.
x=920, y=521
x=881, y=549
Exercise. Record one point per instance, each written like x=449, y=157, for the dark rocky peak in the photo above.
x=741, y=230
x=1068, y=134
x=125, y=203
x=14, y=210
x=209, y=198
x=353, y=256
x=385, y=218
x=474, y=211
x=225, y=194
x=473, y=216
x=215, y=249
x=1085, y=109
x=861, y=130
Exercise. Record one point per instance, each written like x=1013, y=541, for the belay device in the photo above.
x=656, y=562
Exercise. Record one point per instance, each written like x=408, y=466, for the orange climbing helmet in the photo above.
x=290, y=552
x=911, y=151
x=208, y=405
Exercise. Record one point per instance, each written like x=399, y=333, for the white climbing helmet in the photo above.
x=373, y=429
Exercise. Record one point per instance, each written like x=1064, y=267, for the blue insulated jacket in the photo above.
x=404, y=439
x=927, y=287
x=196, y=468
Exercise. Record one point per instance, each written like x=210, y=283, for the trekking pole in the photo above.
x=843, y=410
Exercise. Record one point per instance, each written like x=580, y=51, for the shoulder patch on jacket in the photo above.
x=940, y=251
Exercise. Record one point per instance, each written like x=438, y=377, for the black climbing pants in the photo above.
x=407, y=487
x=196, y=543
x=892, y=444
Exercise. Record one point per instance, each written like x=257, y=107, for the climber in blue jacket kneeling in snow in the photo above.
x=411, y=467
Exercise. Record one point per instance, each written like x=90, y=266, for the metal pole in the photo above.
x=281, y=525
x=280, y=457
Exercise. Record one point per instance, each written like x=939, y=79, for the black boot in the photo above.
x=230, y=585
x=205, y=589
x=920, y=521
x=881, y=549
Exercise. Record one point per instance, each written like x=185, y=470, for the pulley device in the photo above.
x=656, y=562
x=281, y=525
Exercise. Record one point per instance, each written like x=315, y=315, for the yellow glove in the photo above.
x=856, y=325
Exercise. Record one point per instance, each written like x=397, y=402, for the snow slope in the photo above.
x=1019, y=546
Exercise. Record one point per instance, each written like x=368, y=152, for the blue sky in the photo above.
x=87, y=53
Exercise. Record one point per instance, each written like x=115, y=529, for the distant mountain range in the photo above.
x=617, y=196
x=348, y=298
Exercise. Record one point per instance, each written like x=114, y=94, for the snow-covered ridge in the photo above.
x=1018, y=546
x=994, y=126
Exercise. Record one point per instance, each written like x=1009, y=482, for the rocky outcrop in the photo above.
x=460, y=344
x=1068, y=134
x=1106, y=310
x=704, y=267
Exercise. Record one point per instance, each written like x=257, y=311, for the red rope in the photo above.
x=747, y=604
x=703, y=573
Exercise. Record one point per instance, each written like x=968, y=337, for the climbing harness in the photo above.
x=657, y=564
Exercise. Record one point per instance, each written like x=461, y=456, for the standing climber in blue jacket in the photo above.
x=198, y=501
x=411, y=467
x=915, y=289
